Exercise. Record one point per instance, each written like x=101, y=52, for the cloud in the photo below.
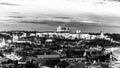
x=54, y=20
x=9, y=4
x=48, y=19
x=104, y=19
x=74, y=13
x=15, y=16
x=70, y=23
x=64, y=17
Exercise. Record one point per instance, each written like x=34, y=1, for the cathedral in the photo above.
x=63, y=29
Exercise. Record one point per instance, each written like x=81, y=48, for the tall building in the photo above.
x=15, y=38
x=2, y=42
x=101, y=34
x=78, y=31
x=63, y=29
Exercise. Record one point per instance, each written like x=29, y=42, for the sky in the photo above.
x=46, y=15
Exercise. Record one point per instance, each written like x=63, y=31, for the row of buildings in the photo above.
x=66, y=32
x=62, y=32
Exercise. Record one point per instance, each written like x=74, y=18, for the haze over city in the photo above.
x=45, y=15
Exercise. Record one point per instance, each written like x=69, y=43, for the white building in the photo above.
x=2, y=42
x=79, y=36
x=78, y=31
x=101, y=36
x=84, y=36
x=63, y=29
x=92, y=36
x=32, y=34
x=115, y=58
x=23, y=35
x=15, y=38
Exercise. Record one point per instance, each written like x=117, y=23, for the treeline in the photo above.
x=114, y=36
x=102, y=43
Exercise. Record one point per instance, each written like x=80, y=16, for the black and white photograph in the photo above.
x=59, y=33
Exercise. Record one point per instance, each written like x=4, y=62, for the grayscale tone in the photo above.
x=59, y=33
x=96, y=15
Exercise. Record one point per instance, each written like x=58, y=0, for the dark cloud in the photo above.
x=56, y=23
x=10, y=4
x=63, y=17
x=70, y=24
x=16, y=16
x=50, y=23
